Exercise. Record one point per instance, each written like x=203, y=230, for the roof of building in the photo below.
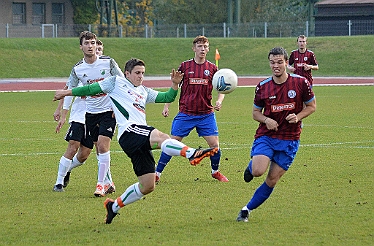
x=341, y=2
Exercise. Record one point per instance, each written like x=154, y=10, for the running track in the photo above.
x=48, y=84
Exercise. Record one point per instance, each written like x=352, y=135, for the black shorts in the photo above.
x=77, y=132
x=100, y=124
x=135, y=143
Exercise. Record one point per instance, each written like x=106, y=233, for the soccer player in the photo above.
x=76, y=153
x=302, y=61
x=99, y=47
x=100, y=121
x=195, y=106
x=129, y=98
x=279, y=107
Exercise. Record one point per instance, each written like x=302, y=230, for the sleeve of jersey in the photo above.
x=88, y=90
x=166, y=97
x=67, y=102
x=73, y=80
x=257, y=101
x=114, y=68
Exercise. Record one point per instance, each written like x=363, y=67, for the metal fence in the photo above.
x=264, y=29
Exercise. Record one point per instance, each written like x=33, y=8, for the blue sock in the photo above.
x=215, y=159
x=259, y=197
x=162, y=162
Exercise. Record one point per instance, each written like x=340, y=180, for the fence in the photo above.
x=265, y=29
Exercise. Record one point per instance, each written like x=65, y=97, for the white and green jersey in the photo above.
x=78, y=110
x=128, y=101
x=85, y=73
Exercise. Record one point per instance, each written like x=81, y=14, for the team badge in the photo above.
x=206, y=72
x=291, y=94
x=305, y=58
x=102, y=71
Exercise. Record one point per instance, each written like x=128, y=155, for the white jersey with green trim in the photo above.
x=128, y=101
x=103, y=67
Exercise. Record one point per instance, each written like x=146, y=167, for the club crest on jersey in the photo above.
x=102, y=71
x=206, y=72
x=305, y=58
x=291, y=94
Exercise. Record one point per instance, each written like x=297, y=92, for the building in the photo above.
x=344, y=17
x=36, y=12
x=35, y=18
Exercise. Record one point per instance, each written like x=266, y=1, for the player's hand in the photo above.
x=218, y=105
x=165, y=112
x=59, y=94
x=60, y=123
x=176, y=76
x=307, y=67
x=292, y=118
x=56, y=115
x=291, y=69
x=271, y=124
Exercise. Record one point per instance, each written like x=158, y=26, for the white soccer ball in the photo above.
x=225, y=81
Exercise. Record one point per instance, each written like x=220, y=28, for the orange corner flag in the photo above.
x=217, y=57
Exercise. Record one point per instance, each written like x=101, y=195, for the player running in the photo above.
x=129, y=98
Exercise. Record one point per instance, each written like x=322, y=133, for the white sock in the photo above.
x=173, y=147
x=104, y=164
x=63, y=168
x=132, y=194
x=108, y=177
x=75, y=163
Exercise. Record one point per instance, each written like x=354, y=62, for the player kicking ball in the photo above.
x=129, y=98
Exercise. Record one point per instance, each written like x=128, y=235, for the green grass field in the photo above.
x=326, y=198
x=54, y=57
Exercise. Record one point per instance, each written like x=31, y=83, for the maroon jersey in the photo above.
x=298, y=59
x=196, y=87
x=279, y=100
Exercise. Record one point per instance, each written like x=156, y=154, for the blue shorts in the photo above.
x=282, y=152
x=183, y=124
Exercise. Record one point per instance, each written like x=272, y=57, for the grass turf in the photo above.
x=324, y=199
x=54, y=57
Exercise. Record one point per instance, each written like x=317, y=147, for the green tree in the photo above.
x=190, y=12
x=216, y=11
x=85, y=12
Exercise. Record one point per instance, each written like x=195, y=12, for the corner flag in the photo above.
x=217, y=57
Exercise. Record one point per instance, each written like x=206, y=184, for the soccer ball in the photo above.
x=225, y=81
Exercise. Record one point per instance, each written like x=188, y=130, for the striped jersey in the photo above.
x=196, y=87
x=279, y=100
x=103, y=67
x=129, y=109
x=298, y=59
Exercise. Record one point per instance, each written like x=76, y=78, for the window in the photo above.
x=58, y=13
x=19, y=13
x=38, y=13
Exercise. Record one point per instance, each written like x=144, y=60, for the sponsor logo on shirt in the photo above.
x=139, y=107
x=198, y=81
x=281, y=107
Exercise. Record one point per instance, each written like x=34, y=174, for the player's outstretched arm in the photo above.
x=59, y=94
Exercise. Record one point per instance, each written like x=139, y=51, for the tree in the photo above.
x=85, y=12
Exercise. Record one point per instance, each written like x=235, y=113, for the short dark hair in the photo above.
x=200, y=39
x=130, y=64
x=278, y=51
x=86, y=35
x=99, y=42
x=301, y=36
